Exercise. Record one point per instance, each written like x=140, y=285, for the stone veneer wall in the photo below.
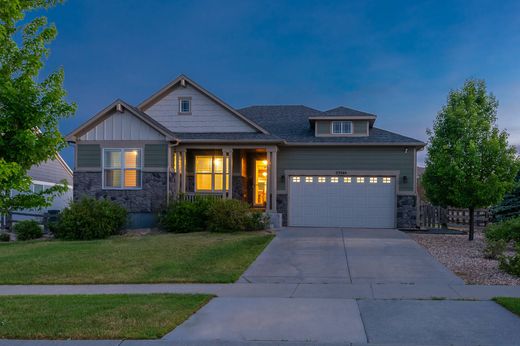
x=150, y=199
x=406, y=211
x=281, y=207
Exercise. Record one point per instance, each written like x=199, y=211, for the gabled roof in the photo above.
x=183, y=79
x=96, y=119
x=290, y=123
x=344, y=111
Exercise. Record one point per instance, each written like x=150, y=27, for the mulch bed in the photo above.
x=465, y=258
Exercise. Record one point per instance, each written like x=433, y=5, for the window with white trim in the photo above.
x=387, y=180
x=308, y=179
x=334, y=179
x=321, y=179
x=341, y=127
x=295, y=179
x=184, y=105
x=122, y=169
x=373, y=180
x=360, y=180
x=347, y=180
x=209, y=171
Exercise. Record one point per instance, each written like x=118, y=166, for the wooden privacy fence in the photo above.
x=432, y=216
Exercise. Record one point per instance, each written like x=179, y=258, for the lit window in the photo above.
x=342, y=127
x=308, y=179
x=347, y=180
x=360, y=180
x=296, y=179
x=321, y=179
x=373, y=180
x=121, y=168
x=387, y=180
x=334, y=179
x=208, y=173
x=184, y=105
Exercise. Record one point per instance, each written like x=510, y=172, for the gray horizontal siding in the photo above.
x=51, y=171
x=88, y=155
x=155, y=155
x=354, y=158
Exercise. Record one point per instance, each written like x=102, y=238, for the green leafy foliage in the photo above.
x=186, y=216
x=207, y=214
x=507, y=230
x=469, y=163
x=4, y=237
x=27, y=230
x=233, y=216
x=31, y=105
x=494, y=248
x=90, y=219
x=511, y=264
x=510, y=206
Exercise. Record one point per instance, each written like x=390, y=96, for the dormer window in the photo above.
x=341, y=127
x=185, y=105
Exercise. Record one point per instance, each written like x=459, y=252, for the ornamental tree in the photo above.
x=469, y=162
x=30, y=105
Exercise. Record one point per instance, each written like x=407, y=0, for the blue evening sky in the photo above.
x=395, y=59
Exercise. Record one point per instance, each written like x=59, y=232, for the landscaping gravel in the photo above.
x=465, y=258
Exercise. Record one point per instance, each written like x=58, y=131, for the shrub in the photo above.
x=186, y=216
x=494, y=248
x=234, y=216
x=511, y=264
x=90, y=219
x=27, y=230
x=4, y=236
x=506, y=230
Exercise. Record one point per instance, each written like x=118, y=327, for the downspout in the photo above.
x=170, y=146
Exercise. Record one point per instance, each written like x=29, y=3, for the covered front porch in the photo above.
x=242, y=172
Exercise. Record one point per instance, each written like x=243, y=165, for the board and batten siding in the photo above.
x=121, y=126
x=323, y=127
x=206, y=115
x=348, y=158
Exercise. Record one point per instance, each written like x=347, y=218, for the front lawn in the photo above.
x=191, y=257
x=511, y=304
x=95, y=316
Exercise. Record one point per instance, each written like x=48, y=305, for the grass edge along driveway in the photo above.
x=161, y=258
x=111, y=316
x=511, y=304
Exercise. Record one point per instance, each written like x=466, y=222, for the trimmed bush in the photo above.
x=27, y=230
x=230, y=215
x=506, y=230
x=186, y=216
x=494, y=248
x=511, y=264
x=4, y=237
x=90, y=219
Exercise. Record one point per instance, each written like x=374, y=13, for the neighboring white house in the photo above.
x=44, y=176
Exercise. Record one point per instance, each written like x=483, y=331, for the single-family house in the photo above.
x=331, y=168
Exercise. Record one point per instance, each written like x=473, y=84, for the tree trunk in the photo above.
x=471, y=223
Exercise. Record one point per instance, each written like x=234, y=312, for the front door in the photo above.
x=260, y=182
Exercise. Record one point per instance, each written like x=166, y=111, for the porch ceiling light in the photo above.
x=264, y=174
x=264, y=162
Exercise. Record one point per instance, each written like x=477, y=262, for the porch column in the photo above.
x=177, y=159
x=227, y=171
x=271, y=180
x=183, y=170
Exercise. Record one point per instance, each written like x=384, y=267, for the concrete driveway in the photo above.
x=343, y=255
x=322, y=264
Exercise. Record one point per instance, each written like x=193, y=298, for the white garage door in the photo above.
x=338, y=201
